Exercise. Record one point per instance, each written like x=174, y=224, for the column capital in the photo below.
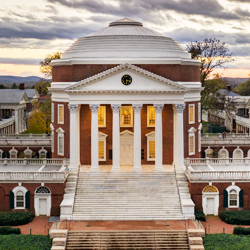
x=179, y=108
x=73, y=108
x=158, y=108
x=94, y=107
x=116, y=108
x=137, y=108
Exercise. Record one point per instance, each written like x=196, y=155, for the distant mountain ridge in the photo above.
x=29, y=80
x=234, y=81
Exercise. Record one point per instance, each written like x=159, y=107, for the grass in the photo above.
x=25, y=242
x=226, y=242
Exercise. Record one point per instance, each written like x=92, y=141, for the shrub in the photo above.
x=242, y=231
x=241, y=217
x=25, y=242
x=226, y=242
x=199, y=215
x=15, y=218
x=5, y=230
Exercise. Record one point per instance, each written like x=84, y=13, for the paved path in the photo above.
x=215, y=225
x=39, y=225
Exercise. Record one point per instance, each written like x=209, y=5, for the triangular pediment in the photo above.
x=111, y=81
x=126, y=133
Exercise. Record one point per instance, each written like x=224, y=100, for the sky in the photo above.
x=29, y=30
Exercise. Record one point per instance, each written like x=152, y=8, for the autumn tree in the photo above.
x=40, y=117
x=45, y=66
x=42, y=87
x=212, y=53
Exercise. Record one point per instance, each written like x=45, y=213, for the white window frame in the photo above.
x=60, y=134
x=148, y=108
x=241, y=152
x=208, y=149
x=199, y=112
x=102, y=137
x=132, y=117
x=17, y=189
x=52, y=138
x=221, y=150
x=29, y=151
x=191, y=105
x=150, y=137
x=58, y=115
x=14, y=151
x=42, y=150
x=237, y=189
x=105, y=114
x=52, y=112
x=199, y=137
x=189, y=136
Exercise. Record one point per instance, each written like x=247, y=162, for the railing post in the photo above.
x=64, y=161
x=5, y=161
x=44, y=161
x=31, y=174
x=30, y=135
x=24, y=161
x=54, y=174
x=8, y=175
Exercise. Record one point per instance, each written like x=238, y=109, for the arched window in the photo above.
x=238, y=153
x=28, y=153
x=233, y=198
x=223, y=153
x=19, y=199
x=209, y=153
x=42, y=153
x=42, y=190
x=13, y=153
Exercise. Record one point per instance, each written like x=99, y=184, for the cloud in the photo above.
x=22, y=61
x=130, y=8
x=240, y=1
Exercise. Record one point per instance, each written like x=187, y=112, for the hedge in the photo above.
x=226, y=242
x=242, y=231
x=15, y=218
x=199, y=215
x=25, y=242
x=241, y=217
x=5, y=230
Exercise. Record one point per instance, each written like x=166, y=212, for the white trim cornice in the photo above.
x=73, y=88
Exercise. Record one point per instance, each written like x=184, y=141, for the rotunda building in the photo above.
x=126, y=95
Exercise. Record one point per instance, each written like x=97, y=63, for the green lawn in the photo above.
x=226, y=242
x=25, y=242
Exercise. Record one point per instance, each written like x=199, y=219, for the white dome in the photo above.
x=126, y=41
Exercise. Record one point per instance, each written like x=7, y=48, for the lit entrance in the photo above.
x=126, y=148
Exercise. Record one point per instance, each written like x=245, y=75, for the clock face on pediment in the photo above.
x=126, y=80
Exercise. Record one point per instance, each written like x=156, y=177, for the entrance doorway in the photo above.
x=210, y=206
x=42, y=206
x=126, y=148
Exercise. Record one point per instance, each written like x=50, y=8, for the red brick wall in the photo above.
x=85, y=135
x=65, y=127
x=229, y=148
x=57, y=190
x=187, y=126
x=174, y=72
x=196, y=193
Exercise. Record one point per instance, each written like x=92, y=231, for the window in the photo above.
x=60, y=114
x=13, y=153
x=28, y=153
x=102, y=146
x=209, y=153
x=19, y=199
x=191, y=114
x=60, y=144
x=60, y=141
x=102, y=116
x=126, y=116
x=42, y=190
x=199, y=112
x=52, y=112
x=238, y=153
x=151, y=146
x=151, y=116
x=199, y=146
x=233, y=198
x=191, y=144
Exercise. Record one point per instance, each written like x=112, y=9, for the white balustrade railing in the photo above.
x=25, y=142
x=208, y=136
x=7, y=122
x=24, y=136
x=33, y=161
x=242, y=121
x=216, y=161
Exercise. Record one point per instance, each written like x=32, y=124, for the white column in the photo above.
x=116, y=137
x=158, y=137
x=175, y=134
x=20, y=120
x=78, y=136
x=137, y=136
x=73, y=108
x=94, y=137
x=179, y=136
x=16, y=121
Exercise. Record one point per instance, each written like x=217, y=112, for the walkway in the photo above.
x=215, y=225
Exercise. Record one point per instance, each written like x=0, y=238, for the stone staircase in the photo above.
x=127, y=196
x=127, y=240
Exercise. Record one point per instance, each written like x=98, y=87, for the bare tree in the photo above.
x=212, y=53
